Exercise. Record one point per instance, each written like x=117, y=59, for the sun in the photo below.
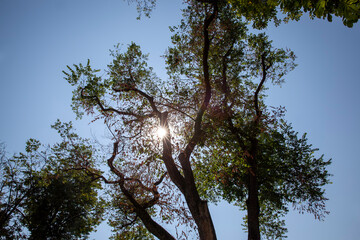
x=161, y=132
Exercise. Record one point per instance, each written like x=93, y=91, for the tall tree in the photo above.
x=42, y=197
x=141, y=107
x=64, y=202
x=213, y=101
x=246, y=144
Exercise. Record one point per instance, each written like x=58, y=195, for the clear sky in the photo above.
x=38, y=38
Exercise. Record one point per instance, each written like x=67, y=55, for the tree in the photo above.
x=216, y=123
x=142, y=106
x=246, y=144
x=135, y=119
x=64, y=202
x=43, y=196
x=12, y=194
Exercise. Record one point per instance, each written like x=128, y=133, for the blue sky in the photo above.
x=38, y=38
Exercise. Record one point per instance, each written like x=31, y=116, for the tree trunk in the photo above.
x=201, y=214
x=207, y=231
x=253, y=208
x=198, y=208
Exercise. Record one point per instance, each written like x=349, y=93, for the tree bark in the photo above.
x=206, y=226
x=253, y=209
x=200, y=212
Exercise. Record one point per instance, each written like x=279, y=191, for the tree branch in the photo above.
x=148, y=97
x=140, y=210
x=185, y=155
x=256, y=96
x=110, y=109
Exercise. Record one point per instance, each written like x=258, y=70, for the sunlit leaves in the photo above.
x=130, y=70
x=277, y=62
x=261, y=12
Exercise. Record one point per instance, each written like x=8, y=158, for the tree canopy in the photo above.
x=260, y=13
x=220, y=135
x=44, y=197
x=204, y=134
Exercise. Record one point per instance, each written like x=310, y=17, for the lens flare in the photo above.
x=161, y=132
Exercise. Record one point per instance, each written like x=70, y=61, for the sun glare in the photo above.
x=161, y=132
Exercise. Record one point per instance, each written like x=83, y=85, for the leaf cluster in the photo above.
x=44, y=197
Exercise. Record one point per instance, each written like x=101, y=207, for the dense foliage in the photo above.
x=44, y=197
x=222, y=141
x=260, y=13
x=219, y=141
